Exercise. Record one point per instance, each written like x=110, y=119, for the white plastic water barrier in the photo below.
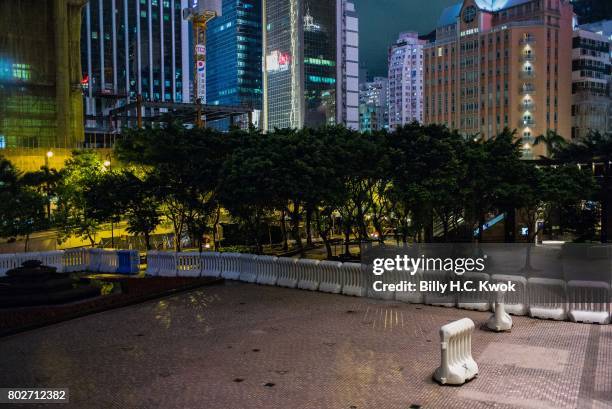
x=309, y=274
x=48, y=258
x=332, y=278
x=457, y=365
x=211, y=264
x=153, y=263
x=7, y=262
x=288, y=274
x=436, y=297
x=589, y=301
x=109, y=261
x=248, y=268
x=389, y=277
x=76, y=260
x=474, y=300
x=413, y=297
x=355, y=280
x=230, y=266
x=267, y=270
x=515, y=302
x=188, y=264
x=167, y=264
x=547, y=298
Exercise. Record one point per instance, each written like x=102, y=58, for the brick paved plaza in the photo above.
x=245, y=346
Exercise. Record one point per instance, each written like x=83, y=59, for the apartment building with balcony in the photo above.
x=591, y=79
x=501, y=63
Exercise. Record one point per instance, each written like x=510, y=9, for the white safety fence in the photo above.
x=72, y=260
x=580, y=301
x=457, y=365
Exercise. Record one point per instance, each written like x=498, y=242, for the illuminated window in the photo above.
x=22, y=72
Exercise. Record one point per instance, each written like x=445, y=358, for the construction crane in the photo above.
x=200, y=14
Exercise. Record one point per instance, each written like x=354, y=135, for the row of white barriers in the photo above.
x=76, y=260
x=580, y=301
x=314, y=275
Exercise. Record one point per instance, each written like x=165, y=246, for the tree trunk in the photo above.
x=347, y=239
x=308, y=227
x=283, y=227
x=510, y=226
x=295, y=222
x=147, y=238
x=215, y=227
x=27, y=240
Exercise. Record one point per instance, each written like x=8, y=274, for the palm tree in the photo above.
x=553, y=142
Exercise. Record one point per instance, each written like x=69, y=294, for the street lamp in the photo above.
x=108, y=165
x=48, y=156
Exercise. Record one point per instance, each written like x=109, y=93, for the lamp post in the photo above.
x=48, y=156
x=108, y=165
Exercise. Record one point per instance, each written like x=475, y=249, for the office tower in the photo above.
x=591, y=79
x=374, y=105
x=132, y=48
x=497, y=64
x=233, y=67
x=302, y=44
x=406, y=80
x=40, y=74
x=348, y=68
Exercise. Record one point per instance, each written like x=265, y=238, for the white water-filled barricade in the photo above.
x=456, y=363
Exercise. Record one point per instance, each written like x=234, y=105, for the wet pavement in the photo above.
x=246, y=346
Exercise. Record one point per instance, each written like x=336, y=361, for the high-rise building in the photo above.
x=591, y=79
x=374, y=105
x=348, y=68
x=41, y=103
x=497, y=64
x=233, y=69
x=406, y=80
x=310, y=63
x=133, y=48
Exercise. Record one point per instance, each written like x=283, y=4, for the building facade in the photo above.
x=374, y=105
x=497, y=64
x=304, y=63
x=233, y=69
x=41, y=102
x=406, y=80
x=133, y=48
x=348, y=69
x=591, y=80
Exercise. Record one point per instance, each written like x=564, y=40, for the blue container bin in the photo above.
x=128, y=262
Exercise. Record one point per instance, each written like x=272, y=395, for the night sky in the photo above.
x=382, y=20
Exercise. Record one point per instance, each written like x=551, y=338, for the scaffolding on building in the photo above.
x=40, y=73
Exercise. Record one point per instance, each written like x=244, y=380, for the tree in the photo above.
x=45, y=181
x=185, y=164
x=552, y=140
x=116, y=195
x=594, y=150
x=248, y=187
x=21, y=207
x=74, y=215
